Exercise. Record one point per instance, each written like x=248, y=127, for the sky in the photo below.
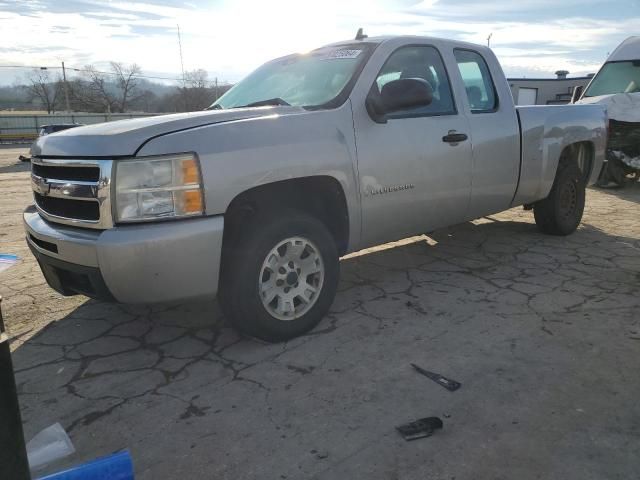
x=229, y=38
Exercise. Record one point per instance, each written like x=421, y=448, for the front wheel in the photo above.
x=561, y=212
x=279, y=276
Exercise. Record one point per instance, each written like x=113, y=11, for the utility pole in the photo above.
x=184, y=84
x=489, y=40
x=216, y=89
x=181, y=60
x=66, y=87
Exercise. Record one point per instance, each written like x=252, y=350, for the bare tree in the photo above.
x=146, y=101
x=96, y=92
x=196, y=91
x=126, y=78
x=81, y=99
x=40, y=86
x=198, y=79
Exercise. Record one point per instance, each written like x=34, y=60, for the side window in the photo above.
x=481, y=92
x=419, y=62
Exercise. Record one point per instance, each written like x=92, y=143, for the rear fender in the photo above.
x=546, y=132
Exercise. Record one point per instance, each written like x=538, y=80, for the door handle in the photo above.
x=454, y=137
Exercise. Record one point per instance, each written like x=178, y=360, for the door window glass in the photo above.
x=419, y=62
x=478, y=83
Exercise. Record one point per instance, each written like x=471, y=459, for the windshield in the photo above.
x=616, y=77
x=303, y=80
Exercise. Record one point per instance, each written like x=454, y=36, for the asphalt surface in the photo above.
x=543, y=333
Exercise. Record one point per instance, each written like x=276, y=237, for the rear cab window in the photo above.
x=481, y=91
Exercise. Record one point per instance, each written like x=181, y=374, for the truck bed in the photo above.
x=545, y=131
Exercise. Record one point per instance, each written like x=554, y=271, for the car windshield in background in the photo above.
x=616, y=77
x=313, y=79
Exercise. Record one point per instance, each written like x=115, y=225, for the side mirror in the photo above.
x=577, y=93
x=399, y=95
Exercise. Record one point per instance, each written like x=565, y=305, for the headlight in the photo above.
x=158, y=187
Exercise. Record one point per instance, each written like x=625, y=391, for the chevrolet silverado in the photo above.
x=310, y=157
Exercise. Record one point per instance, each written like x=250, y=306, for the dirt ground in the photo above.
x=543, y=333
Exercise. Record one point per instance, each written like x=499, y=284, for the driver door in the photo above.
x=413, y=177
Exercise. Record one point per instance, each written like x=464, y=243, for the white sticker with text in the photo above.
x=341, y=54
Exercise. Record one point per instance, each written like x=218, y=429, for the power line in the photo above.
x=136, y=75
x=102, y=72
x=27, y=66
x=75, y=69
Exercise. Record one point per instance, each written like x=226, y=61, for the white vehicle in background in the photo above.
x=617, y=87
x=48, y=130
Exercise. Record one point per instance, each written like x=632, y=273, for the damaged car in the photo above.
x=617, y=87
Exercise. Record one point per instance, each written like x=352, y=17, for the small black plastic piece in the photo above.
x=441, y=380
x=277, y=101
x=360, y=35
x=425, y=427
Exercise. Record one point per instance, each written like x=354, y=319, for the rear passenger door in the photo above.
x=494, y=132
x=412, y=178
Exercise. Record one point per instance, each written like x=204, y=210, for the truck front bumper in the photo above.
x=136, y=264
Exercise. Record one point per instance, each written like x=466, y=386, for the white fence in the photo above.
x=26, y=127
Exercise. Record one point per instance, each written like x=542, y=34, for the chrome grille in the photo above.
x=73, y=192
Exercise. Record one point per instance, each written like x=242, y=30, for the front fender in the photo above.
x=240, y=155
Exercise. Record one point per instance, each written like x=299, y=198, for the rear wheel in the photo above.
x=280, y=276
x=561, y=212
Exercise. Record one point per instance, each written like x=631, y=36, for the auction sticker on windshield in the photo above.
x=344, y=53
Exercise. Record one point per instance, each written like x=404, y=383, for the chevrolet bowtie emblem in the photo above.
x=42, y=186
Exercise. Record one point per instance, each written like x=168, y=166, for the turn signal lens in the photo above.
x=191, y=201
x=190, y=171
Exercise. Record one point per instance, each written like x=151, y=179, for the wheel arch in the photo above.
x=322, y=196
x=583, y=154
x=578, y=151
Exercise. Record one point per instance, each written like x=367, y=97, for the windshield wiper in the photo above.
x=215, y=106
x=263, y=103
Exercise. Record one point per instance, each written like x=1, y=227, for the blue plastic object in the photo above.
x=7, y=260
x=114, y=467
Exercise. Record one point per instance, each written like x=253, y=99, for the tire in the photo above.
x=561, y=212
x=253, y=264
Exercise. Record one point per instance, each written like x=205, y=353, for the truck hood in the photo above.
x=125, y=137
x=624, y=107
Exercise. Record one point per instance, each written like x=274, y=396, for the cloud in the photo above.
x=37, y=49
x=119, y=16
x=36, y=7
x=151, y=30
x=520, y=10
x=60, y=28
x=229, y=38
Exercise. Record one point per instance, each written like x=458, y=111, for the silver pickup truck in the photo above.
x=310, y=157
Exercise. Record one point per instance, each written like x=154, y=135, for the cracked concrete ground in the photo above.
x=543, y=332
